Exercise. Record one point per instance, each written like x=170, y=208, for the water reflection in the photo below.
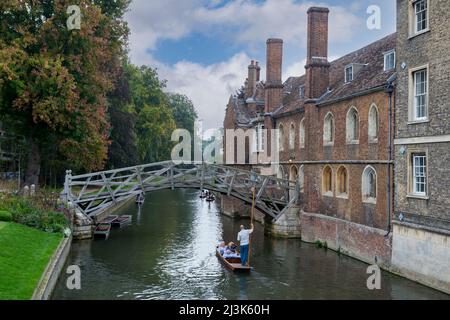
x=168, y=253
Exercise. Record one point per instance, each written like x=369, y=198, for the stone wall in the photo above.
x=422, y=255
x=370, y=245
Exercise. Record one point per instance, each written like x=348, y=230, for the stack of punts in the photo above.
x=109, y=219
x=102, y=230
x=122, y=221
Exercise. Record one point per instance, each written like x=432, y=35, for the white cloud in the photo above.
x=209, y=87
x=241, y=22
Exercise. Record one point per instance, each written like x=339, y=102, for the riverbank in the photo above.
x=24, y=257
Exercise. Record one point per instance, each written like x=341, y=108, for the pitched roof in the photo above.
x=371, y=74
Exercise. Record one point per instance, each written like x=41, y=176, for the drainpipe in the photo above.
x=389, y=90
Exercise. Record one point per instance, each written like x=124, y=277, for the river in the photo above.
x=168, y=253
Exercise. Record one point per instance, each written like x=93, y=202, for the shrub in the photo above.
x=5, y=216
x=29, y=212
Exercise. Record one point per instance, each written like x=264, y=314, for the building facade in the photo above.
x=333, y=138
x=421, y=239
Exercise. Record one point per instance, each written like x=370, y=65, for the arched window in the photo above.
x=327, y=181
x=342, y=181
x=352, y=125
x=302, y=133
x=293, y=176
x=280, y=172
x=369, y=185
x=373, y=123
x=301, y=178
x=328, y=129
x=281, y=137
x=292, y=137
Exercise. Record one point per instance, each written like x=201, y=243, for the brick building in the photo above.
x=334, y=138
x=421, y=239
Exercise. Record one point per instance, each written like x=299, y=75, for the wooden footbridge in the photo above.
x=94, y=193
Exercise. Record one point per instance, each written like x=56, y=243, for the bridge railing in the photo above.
x=95, y=192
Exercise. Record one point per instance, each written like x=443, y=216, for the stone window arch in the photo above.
x=281, y=137
x=292, y=137
x=301, y=178
x=352, y=125
x=302, y=134
x=328, y=129
x=369, y=185
x=342, y=179
x=280, y=172
x=327, y=181
x=373, y=123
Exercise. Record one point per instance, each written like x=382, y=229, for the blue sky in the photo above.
x=203, y=47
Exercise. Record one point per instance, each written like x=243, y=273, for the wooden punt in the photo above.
x=233, y=264
x=122, y=221
x=102, y=230
x=109, y=219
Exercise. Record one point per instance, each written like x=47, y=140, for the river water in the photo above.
x=168, y=253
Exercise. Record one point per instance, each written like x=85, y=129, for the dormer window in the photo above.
x=301, y=92
x=389, y=60
x=349, y=74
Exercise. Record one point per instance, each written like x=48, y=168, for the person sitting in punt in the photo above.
x=230, y=251
x=221, y=247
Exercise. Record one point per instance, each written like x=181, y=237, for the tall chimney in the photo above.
x=274, y=86
x=252, y=78
x=317, y=65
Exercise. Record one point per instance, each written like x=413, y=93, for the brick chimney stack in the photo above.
x=317, y=65
x=274, y=85
x=252, y=78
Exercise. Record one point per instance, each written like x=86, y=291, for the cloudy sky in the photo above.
x=203, y=47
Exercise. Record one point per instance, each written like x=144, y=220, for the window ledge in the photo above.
x=328, y=194
x=411, y=36
x=412, y=122
x=342, y=196
x=328, y=144
x=373, y=141
x=370, y=201
x=353, y=142
x=417, y=196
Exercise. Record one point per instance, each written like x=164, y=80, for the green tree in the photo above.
x=183, y=111
x=54, y=82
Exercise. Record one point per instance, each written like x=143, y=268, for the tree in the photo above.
x=183, y=111
x=54, y=82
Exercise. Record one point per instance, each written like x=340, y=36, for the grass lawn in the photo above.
x=24, y=255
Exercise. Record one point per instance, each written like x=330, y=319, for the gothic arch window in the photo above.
x=328, y=129
x=342, y=182
x=292, y=137
x=327, y=181
x=301, y=178
x=281, y=137
x=352, y=125
x=369, y=185
x=373, y=123
x=302, y=134
x=280, y=172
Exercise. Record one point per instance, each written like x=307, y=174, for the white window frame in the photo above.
x=419, y=174
x=416, y=13
x=301, y=92
x=413, y=22
x=347, y=80
x=386, y=59
x=302, y=134
x=413, y=119
x=366, y=198
x=413, y=191
x=350, y=130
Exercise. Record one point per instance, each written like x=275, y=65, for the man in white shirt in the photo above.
x=244, y=239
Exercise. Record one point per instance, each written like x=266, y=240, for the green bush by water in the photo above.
x=5, y=216
x=28, y=212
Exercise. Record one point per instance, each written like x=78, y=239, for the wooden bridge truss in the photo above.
x=95, y=192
